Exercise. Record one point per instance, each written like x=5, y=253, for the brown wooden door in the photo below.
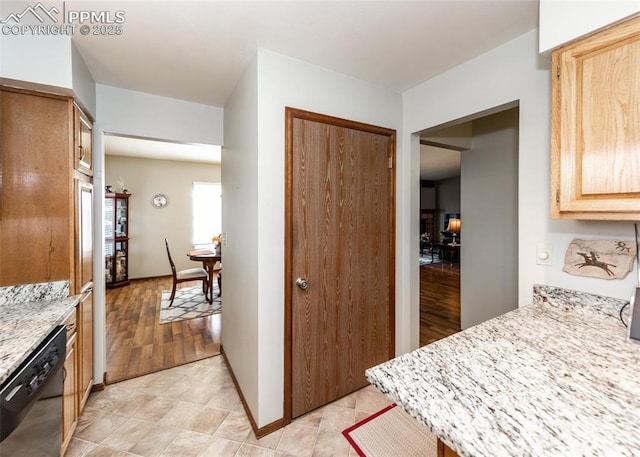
x=340, y=224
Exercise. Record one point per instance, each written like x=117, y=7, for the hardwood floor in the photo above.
x=136, y=343
x=439, y=301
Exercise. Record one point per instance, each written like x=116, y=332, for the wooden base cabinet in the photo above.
x=70, y=386
x=595, y=126
x=445, y=451
x=85, y=349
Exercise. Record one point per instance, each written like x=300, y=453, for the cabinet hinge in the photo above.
x=558, y=71
x=557, y=195
x=390, y=162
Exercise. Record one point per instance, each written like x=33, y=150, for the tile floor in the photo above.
x=175, y=413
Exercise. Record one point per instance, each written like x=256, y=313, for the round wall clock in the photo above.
x=159, y=201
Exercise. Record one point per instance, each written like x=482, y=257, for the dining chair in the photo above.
x=191, y=274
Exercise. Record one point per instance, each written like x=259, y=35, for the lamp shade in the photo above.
x=454, y=225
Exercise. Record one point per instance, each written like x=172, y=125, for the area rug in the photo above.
x=426, y=259
x=189, y=303
x=391, y=432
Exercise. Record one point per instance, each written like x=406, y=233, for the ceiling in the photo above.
x=197, y=50
x=127, y=146
x=438, y=163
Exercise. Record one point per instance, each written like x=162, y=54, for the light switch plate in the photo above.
x=544, y=255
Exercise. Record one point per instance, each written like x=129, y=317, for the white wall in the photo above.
x=82, y=82
x=508, y=73
x=240, y=226
x=148, y=226
x=137, y=113
x=564, y=20
x=41, y=59
x=448, y=198
x=489, y=213
x=48, y=63
x=281, y=81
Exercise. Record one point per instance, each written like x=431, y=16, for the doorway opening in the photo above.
x=161, y=179
x=475, y=239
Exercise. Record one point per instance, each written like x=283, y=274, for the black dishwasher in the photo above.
x=31, y=402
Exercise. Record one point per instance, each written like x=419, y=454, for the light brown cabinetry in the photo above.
x=46, y=218
x=85, y=348
x=35, y=188
x=595, y=150
x=445, y=451
x=70, y=386
x=83, y=142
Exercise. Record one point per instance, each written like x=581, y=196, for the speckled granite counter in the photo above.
x=24, y=324
x=555, y=378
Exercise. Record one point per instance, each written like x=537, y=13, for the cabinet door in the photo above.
x=70, y=387
x=85, y=348
x=595, y=161
x=84, y=236
x=35, y=208
x=83, y=142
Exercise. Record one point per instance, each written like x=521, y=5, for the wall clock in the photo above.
x=159, y=201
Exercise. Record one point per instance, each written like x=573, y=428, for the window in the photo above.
x=207, y=211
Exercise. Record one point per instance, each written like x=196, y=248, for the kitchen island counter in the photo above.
x=557, y=377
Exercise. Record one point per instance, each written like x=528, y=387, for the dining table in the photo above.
x=209, y=260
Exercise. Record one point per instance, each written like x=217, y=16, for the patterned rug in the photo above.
x=426, y=259
x=188, y=304
x=391, y=432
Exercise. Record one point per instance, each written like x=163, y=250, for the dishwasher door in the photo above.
x=31, y=402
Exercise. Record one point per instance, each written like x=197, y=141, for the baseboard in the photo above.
x=259, y=432
x=97, y=387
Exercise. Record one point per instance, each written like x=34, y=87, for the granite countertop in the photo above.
x=25, y=324
x=557, y=377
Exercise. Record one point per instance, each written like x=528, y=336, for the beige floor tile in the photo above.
x=348, y=401
x=128, y=434
x=110, y=399
x=221, y=447
x=331, y=444
x=225, y=397
x=371, y=400
x=137, y=401
x=269, y=441
x=187, y=444
x=298, y=440
x=200, y=393
x=156, y=409
x=235, y=427
x=173, y=390
x=134, y=384
x=155, y=441
x=196, y=418
x=103, y=427
x=102, y=451
x=79, y=448
x=337, y=418
x=311, y=419
x=248, y=450
x=88, y=417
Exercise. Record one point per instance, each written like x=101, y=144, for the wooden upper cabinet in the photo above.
x=595, y=151
x=83, y=142
x=35, y=186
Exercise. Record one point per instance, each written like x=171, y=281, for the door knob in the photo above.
x=302, y=283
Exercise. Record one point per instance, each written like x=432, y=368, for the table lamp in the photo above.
x=454, y=227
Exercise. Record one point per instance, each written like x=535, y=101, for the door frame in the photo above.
x=290, y=115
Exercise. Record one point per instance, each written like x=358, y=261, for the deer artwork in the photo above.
x=591, y=260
